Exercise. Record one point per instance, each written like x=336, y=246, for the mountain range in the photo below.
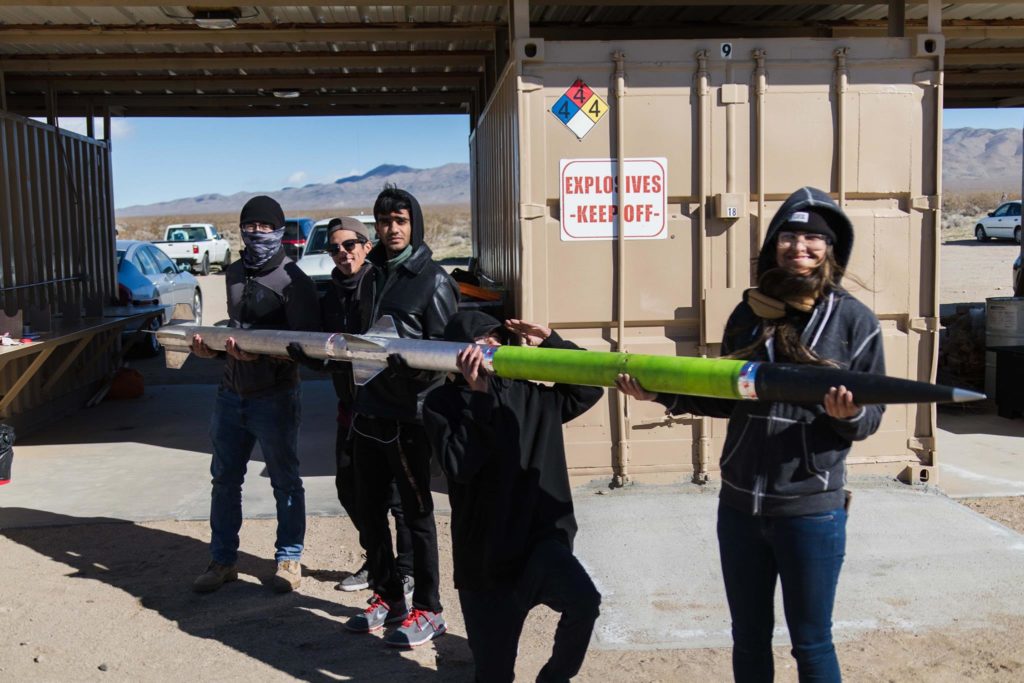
x=448, y=184
x=976, y=159
x=973, y=159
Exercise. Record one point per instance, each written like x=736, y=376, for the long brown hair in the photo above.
x=780, y=284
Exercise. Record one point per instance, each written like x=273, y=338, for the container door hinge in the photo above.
x=925, y=325
x=926, y=203
x=529, y=212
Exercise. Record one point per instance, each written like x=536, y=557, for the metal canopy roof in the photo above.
x=143, y=58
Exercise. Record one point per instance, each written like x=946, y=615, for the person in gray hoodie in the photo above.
x=783, y=509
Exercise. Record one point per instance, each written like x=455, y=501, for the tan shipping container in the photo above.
x=735, y=127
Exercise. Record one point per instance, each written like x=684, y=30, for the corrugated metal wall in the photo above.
x=494, y=156
x=857, y=118
x=56, y=217
x=56, y=246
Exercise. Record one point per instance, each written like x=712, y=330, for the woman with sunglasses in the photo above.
x=347, y=307
x=782, y=508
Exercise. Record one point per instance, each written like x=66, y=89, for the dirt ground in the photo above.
x=112, y=602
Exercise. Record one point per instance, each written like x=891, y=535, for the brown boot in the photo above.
x=215, y=576
x=287, y=577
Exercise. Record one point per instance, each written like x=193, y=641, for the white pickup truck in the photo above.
x=196, y=245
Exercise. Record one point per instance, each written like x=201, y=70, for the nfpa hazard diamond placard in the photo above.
x=579, y=108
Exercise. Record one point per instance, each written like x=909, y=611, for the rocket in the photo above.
x=710, y=377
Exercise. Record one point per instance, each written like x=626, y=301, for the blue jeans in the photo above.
x=237, y=424
x=806, y=553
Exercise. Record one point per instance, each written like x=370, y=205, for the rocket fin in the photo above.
x=363, y=372
x=384, y=327
x=175, y=359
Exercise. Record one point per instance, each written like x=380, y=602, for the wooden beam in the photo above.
x=79, y=102
x=175, y=34
x=133, y=62
x=979, y=56
x=982, y=77
x=281, y=110
x=897, y=18
x=143, y=84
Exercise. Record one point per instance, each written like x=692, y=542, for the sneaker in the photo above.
x=376, y=616
x=356, y=582
x=418, y=628
x=287, y=577
x=408, y=586
x=215, y=576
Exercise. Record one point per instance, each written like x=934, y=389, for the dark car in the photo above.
x=296, y=232
x=1018, y=276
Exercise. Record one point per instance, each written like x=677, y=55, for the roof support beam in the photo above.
x=967, y=57
x=129, y=102
x=171, y=34
x=264, y=60
x=99, y=84
x=897, y=18
x=279, y=110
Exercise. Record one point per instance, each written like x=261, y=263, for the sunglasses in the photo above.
x=349, y=245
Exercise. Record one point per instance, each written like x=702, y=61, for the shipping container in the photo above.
x=710, y=136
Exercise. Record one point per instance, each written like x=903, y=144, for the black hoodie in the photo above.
x=420, y=297
x=504, y=458
x=784, y=459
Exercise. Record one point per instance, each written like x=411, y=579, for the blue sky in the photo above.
x=162, y=159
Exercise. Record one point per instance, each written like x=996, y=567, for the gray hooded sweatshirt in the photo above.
x=784, y=459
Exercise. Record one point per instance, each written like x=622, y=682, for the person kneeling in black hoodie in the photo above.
x=499, y=443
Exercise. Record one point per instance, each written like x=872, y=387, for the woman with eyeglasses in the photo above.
x=347, y=306
x=782, y=507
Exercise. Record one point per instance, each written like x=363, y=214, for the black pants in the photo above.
x=386, y=452
x=494, y=618
x=345, y=482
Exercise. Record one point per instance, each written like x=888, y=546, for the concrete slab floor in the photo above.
x=915, y=559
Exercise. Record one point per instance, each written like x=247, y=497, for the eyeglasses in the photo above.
x=812, y=239
x=349, y=245
x=257, y=227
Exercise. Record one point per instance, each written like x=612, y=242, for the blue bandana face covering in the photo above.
x=260, y=246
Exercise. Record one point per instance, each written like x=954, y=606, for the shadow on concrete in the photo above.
x=296, y=634
x=975, y=243
x=988, y=422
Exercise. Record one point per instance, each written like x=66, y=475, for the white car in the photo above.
x=315, y=261
x=1003, y=223
x=196, y=246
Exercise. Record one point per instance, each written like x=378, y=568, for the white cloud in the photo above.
x=297, y=178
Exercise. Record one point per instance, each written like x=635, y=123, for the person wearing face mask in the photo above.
x=783, y=509
x=258, y=399
x=346, y=307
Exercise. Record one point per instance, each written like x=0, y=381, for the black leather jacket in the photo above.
x=420, y=298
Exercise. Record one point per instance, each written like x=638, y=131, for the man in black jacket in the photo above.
x=258, y=399
x=500, y=444
x=346, y=307
x=389, y=443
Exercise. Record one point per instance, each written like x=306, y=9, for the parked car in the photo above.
x=296, y=234
x=1018, y=276
x=315, y=261
x=1003, y=223
x=146, y=276
x=196, y=245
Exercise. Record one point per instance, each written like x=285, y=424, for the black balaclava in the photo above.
x=261, y=247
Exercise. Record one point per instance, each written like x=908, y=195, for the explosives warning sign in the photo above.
x=589, y=198
x=579, y=108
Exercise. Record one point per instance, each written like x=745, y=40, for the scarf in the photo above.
x=260, y=247
x=770, y=308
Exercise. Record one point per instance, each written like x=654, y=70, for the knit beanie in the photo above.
x=262, y=209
